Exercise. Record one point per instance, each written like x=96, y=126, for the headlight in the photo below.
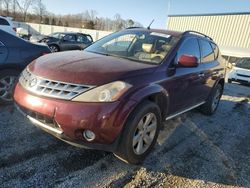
x=107, y=93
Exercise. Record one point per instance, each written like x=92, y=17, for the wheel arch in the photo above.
x=154, y=93
x=55, y=44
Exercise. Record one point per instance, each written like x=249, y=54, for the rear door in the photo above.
x=3, y=53
x=213, y=69
x=83, y=41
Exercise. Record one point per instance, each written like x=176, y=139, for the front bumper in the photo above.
x=67, y=120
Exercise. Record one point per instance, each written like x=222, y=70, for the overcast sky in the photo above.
x=144, y=11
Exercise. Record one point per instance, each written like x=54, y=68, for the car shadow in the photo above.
x=212, y=149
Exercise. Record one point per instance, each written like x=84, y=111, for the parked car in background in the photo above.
x=23, y=33
x=7, y=25
x=240, y=71
x=115, y=94
x=67, y=41
x=15, y=55
x=35, y=38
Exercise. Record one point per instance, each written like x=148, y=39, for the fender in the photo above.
x=153, y=92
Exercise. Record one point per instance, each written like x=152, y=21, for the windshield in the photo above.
x=148, y=47
x=244, y=63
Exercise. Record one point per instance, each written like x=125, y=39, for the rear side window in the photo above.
x=206, y=51
x=4, y=22
x=190, y=47
x=216, y=50
x=83, y=39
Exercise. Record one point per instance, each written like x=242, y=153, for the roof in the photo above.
x=210, y=14
x=235, y=52
x=70, y=32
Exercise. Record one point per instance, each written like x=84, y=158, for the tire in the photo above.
x=229, y=81
x=210, y=107
x=7, y=82
x=54, y=48
x=132, y=147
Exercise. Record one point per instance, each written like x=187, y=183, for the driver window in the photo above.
x=189, y=47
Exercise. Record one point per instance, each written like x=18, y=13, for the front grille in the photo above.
x=41, y=118
x=51, y=88
x=242, y=75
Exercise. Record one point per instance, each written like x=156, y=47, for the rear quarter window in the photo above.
x=4, y=22
x=216, y=50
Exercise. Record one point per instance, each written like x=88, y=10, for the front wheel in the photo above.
x=213, y=101
x=54, y=48
x=140, y=133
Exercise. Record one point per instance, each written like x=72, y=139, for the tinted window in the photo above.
x=206, y=51
x=3, y=22
x=190, y=47
x=216, y=50
x=70, y=38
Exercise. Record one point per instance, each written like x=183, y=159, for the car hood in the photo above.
x=242, y=71
x=83, y=67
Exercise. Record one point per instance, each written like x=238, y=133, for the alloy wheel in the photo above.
x=53, y=49
x=216, y=99
x=6, y=88
x=144, y=133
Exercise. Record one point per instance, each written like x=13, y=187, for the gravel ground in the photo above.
x=193, y=150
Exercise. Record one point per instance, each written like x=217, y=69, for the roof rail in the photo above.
x=197, y=33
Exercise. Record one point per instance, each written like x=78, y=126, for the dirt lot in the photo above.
x=193, y=151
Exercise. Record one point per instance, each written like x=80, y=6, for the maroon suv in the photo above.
x=115, y=94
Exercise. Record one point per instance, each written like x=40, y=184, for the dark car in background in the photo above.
x=115, y=94
x=67, y=41
x=15, y=55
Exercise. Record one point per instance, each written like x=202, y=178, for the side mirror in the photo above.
x=188, y=61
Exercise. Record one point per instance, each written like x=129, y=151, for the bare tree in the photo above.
x=24, y=6
x=6, y=4
x=40, y=9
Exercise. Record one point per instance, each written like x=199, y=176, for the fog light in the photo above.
x=89, y=135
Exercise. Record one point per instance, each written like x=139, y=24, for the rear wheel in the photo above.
x=140, y=133
x=7, y=83
x=213, y=101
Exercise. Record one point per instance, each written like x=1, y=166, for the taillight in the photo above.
x=14, y=29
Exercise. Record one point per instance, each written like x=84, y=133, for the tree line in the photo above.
x=35, y=11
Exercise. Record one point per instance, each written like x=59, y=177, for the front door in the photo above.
x=69, y=42
x=187, y=84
